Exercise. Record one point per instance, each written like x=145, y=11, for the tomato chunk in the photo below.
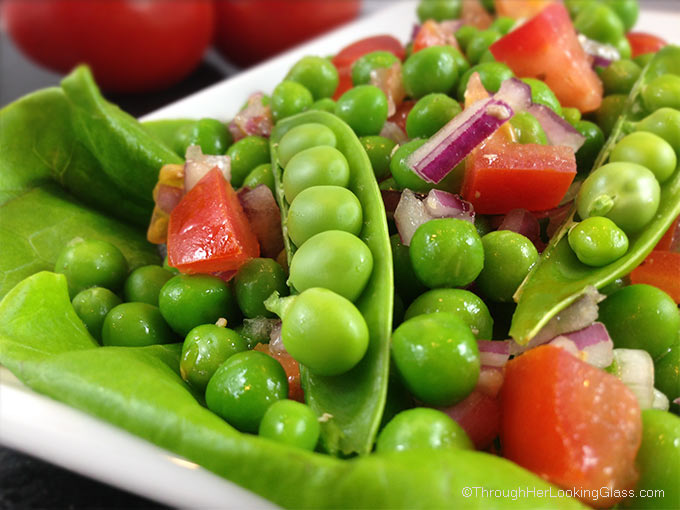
x=660, y=269
x=546, y=47
x=520, y=9
x=641, y=43
x=670, y=237
x=571, y=423
x=500, y=177
x=208, y=231
x=432, y=33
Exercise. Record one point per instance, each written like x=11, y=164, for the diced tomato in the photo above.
x=292, y=369
x=473, y=13
x=670, y=237
x=546, y=47
x=641, y=43
x=500, y=177
x=660, y=269
x=519, y=9
x=349, y=54
x=480, y=416
x=208, y=231
x=399, y=117
x=571, y=423
x=432, y=33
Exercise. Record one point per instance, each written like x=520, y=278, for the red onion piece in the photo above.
x=516, y=93
x=480, y=416
x=168, y=197
x=392, y=131
x=493, y=353
x=522, y=222
x=389, y=81
x=442, y=204
x=390, y=199
x=275, y=341
x=264, y=217
x=414, y=31
x=409, y=215
x=490, y=381
x=557, y=130
x=197, y=164
x=600, y=52
x=677, y=401
x=447, y=147
x=601, y=61
x=254, y=119
x=593, y=344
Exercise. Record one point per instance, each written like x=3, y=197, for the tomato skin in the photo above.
x=344, y=59
x=480, y=417
x=400, y=116
x=500, y=177
x=546, y=47
x=660, y=269
x=249, y=31
x=669, y=238
x=519, y=9
x=641, y=43
x=208, y=231
x=571, y=423
x=130, y=46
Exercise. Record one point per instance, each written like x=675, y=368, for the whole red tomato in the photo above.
x=131, y=45
x=251, y=30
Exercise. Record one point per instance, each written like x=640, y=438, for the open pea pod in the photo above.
x=140, y=390
x=559, y=278
x=354, y=400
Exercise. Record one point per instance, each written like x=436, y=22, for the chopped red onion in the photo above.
x=601, y=61
x=635, y=368
x=522, y=222
x=660, y=401
x=451, y=26
x=167, y=197
x=388, y=79
x=557, y=130
x=447, y=147
x=264, y=217
x=490, y=381
x=275, y=341
x=414, y=31
x=592, y=344
x=415, y=209
x=392, y=131
x=254, y=119
x=197, y=164
x=677, y=401
x=391, y=198
x=493, y=353
x=600, y=52
x=516, y=93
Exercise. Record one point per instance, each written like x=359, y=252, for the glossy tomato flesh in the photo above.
x=546, y=47
x=208, y=231
x=571, y=423
x=660, y=269
x=641, y=43
x=131, y=46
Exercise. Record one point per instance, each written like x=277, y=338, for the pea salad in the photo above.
x=408, y=269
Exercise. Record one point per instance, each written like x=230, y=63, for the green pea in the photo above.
x=315, y=166
x=303, y=137
x=261, y=174
x=437, y=357
x=492, y=74
x=620, y=76
x=432, y=69
x=362, y=67
x=648, y=150
x=379, y=150
x=614, y=286
x=609, y=112
x=246, y=154
x=594, y=141
x=438, y=10
x=289, y=98
x=291, y=423
x=430, y=114
x=666, y=61
x=528, y=129
x=323, y=331
x=135, y=325
x=626, y=10
x=405, y=280
x=662, y=92
x=325, y=105
x=571, y=115
x=462, y=303
x=363, y=108
x=464, y=34
x=597, y=241
x=317, y=74
x=335, y=260
x=244, y=386
x=482, y=225
x=644, y=59
x=626, y=193
x=446, y=253
x=575, y=6
x=658, y=460
x=487, y=56
x=204, y=349
x=503, y=24
x=623, y=47
x=398, y=310
x=665, y=122
x=187, y=301
x=599, y=22
x=462, y=63
x=254, y=282
x=210, y=134
x=91, y=263
x=422, y=428
x=667, y=372
x=145, y=283
x=541, y=93
x=479, y=44
x=641, y=317
x=92, y=305
x=321, y=208
x=508, y=258
x=406, y=178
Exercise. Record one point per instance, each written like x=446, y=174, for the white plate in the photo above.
x=54, y=432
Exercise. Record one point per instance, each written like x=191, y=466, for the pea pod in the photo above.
x=56, y=357
x=559, y=279
x=355, y=399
